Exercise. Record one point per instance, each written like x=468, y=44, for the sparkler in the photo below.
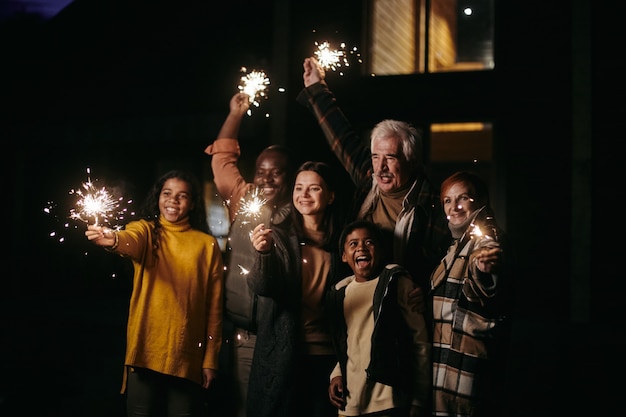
x=476, y=232
x=96, y=203
x=488, y=231
x=254, y=84
x=333, y=59
x=250, y=205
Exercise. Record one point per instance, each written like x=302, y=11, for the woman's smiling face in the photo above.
x=311, y=195
x=457, y=203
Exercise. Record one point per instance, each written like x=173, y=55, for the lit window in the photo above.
x=458, y=146
x=455, y=35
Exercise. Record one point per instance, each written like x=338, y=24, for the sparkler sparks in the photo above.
x=333, y=59
x=254, y=84
x=92, y=204
x=96, y=204
x=250, y=205
x=487, y=231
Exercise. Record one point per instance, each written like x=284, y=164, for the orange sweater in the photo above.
x=175, y=314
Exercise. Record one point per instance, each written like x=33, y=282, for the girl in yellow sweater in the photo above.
x=174, y=327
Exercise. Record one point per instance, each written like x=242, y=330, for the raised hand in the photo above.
x=313, y=72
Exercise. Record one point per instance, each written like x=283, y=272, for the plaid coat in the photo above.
x=471, y=325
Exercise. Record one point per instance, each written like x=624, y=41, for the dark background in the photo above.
x=131, y=88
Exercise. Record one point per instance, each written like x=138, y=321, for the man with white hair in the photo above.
x=393, y=190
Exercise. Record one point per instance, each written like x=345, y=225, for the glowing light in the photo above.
x=330, y=58
x=476, y=232
x=487, y=233
x=254, y=84
x=91, y=204
x=96, y=204
x=334, y=59
x=251, y=204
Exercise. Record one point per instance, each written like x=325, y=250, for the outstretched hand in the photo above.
x=313, y=72
x=487, y=260
x=100, y=235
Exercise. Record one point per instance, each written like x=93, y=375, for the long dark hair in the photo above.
x=197, y=212
x=330, y=219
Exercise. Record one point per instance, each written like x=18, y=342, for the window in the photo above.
x=422, y=36
x=461, y=146
x=217, y=214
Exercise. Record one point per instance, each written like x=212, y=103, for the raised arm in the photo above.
x=239, y=105
x=341, y=137
x=225, y=152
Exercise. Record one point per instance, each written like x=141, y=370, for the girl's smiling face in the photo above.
x=175, y=200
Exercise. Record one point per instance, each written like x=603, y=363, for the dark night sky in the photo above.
x=117, y=86
x=129, y=58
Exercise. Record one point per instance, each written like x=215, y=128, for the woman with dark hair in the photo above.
x=297, y=262
x=174, y=327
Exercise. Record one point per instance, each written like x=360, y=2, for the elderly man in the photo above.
x=393, y=190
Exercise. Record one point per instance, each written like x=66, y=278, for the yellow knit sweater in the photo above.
x=175, y=314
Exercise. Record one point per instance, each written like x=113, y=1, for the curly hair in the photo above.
x=197, y=212
x=375, y=232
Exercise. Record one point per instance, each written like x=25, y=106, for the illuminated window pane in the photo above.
x=393, y=48
x=459, y=36
x=456, y=146
x=461, y=142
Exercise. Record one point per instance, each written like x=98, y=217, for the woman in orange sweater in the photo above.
x=175, y=316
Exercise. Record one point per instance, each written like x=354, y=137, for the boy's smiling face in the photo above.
x=361, y=254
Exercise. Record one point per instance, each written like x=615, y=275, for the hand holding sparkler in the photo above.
x=254, y=84
x=240, y=103
x=313, y=72
x=102, y=236
x=487, y=259
x=488, y=252
x=261, y=238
